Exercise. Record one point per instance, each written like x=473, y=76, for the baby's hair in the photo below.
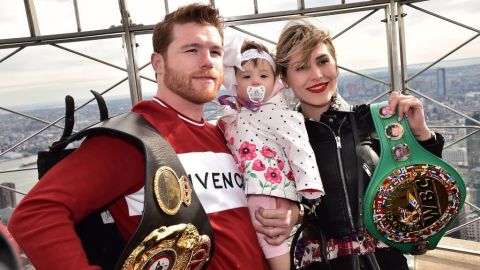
x=249, y=45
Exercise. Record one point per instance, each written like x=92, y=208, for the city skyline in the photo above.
x=45, y=74
x=355, y=89
x=412, y=68
x=36, y=80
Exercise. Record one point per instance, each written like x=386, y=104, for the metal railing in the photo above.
x=395, y=43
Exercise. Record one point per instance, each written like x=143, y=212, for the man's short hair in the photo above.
x=196, y=13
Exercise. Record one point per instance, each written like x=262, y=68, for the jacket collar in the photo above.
x=339, y=104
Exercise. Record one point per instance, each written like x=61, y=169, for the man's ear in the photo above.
x=158, y=63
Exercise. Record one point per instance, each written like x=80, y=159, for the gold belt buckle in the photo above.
x=176, y=247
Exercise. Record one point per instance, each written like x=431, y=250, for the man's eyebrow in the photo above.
x=191, y=45
x=198, y=45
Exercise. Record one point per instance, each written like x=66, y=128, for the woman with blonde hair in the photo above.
x=344, y=142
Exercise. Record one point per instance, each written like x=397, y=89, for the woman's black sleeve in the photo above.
x=434, y=144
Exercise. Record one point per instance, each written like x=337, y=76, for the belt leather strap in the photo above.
x=166, y=224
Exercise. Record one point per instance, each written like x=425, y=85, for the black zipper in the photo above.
x=342, y=173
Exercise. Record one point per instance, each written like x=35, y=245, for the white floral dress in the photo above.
x=272, y=150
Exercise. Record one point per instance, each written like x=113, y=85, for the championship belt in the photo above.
x=174, y=232
x=413, y=195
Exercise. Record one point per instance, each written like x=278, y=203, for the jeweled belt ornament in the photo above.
x=413, y=195
x=176, y=247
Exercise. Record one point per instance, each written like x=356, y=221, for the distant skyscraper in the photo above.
x=472, y=231
x=456, y=156
x=472, y=181
x=473, y=143
x=441, y=82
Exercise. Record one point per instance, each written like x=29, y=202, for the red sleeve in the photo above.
x=100, y=171
x=4, y=231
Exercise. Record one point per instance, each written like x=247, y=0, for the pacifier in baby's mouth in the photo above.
x=256, y=93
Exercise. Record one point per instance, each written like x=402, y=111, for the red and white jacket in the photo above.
x=106, y=170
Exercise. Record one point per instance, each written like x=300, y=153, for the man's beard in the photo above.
x=181, y=84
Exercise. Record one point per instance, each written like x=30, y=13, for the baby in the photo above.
x=268, y=141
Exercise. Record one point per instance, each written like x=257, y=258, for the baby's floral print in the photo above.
x=273, y=175
x=247, y=151
x=258, y=165
x=267, y=152
x=241, y=168
x=290, y=176
x=280, y=164
x=261, y=160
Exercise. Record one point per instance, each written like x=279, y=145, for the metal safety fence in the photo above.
x=394, y=20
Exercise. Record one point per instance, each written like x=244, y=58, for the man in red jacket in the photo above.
x=104, y=170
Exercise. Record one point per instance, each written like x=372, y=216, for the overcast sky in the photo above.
x=44, y=74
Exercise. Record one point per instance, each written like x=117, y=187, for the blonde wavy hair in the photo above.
x=300, y=37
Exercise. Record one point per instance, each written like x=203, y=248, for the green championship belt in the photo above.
x=413, y=195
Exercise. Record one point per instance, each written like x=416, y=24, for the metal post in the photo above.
x=77, y=16
x=300, y=4
x=403, y=54
x=165, y=2
x=129, y=46
x=389, y=46
x=7, y=196
x=32, y=18
x=393, y=46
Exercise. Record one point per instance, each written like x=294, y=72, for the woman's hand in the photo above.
x=411, y=108
x=277, y=224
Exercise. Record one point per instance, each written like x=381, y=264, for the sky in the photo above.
x=45, y=74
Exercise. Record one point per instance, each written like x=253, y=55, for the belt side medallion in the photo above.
x=170, y=191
